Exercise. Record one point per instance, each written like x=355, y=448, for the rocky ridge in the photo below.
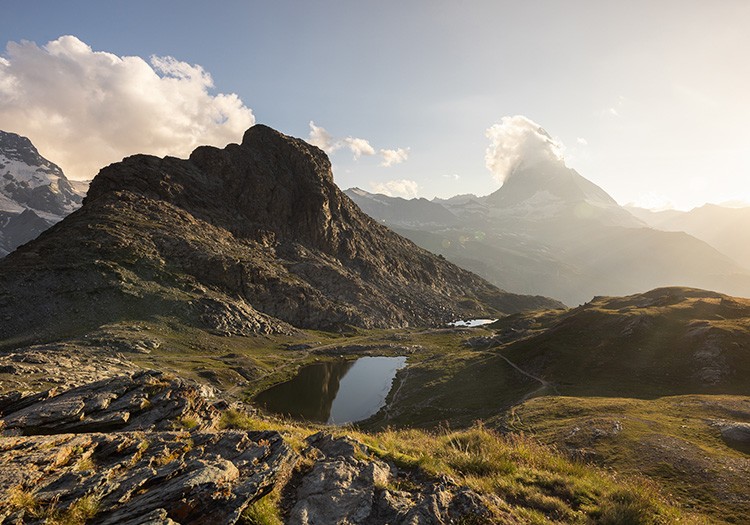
x=247, y=239
x=145, y=448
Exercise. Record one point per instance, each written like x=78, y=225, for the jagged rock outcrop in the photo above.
x=251, y=238
x=138, y=478
x=147, y=448
x=143, y=400
x=347, y=487
x=137, y=448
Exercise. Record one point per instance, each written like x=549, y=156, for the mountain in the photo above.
x=726, y=229
x=251, y=238
x=34, y=193
x=551, y=190
x=402, y=212
x=550, y=231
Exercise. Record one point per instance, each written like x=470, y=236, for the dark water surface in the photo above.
x=335, y=392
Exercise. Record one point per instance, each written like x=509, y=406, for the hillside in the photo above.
x=668, y=341
x=249, y=239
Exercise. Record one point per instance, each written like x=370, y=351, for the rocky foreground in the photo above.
x=145, y=448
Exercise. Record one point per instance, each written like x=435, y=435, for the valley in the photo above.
x=374, y=263
x=179, y=309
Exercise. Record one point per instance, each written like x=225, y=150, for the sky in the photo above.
x=649, y=100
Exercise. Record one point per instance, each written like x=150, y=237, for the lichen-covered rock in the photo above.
x=62, y=365
x=143, y=400
x=139, y=477
x=346, y=486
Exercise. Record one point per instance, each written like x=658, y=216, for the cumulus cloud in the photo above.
x=321, y=138
x=582, y=141
x=84, y=109
x=519, y=141
x=393, y=156
x=396, y=188
x=359, y=147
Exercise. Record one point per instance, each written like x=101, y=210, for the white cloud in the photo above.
x=359, y=147
x=396, y=188
x=453, y=176
x=84, y=109
x=393, y=156
x=582, y=141
x=321, y=138
x=519, y=141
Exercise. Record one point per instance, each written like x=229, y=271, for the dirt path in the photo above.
x=544, y=383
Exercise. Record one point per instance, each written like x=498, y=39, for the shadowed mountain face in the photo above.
x=251, y=238
x=550, y=231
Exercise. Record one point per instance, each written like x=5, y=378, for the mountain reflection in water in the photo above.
x=334, y=392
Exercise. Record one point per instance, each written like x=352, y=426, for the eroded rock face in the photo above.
x=246, y=239
x=139, y=477
x=346, y=486
x=144, y=400
x=144, y=448
x=137, y=448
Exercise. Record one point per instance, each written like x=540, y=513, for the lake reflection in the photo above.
x=335, y=392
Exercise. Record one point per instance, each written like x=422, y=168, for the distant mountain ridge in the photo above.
x=550, y=231
x=34, y=192
x=726, y=229
x=252, y=238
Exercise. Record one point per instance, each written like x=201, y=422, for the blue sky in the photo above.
x=651, y=100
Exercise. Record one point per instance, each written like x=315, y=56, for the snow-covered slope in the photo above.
x=551, y=190
x=34, y=193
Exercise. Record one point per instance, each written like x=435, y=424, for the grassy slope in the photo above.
x=527, y=482
x=665, y=342
x=671, y=440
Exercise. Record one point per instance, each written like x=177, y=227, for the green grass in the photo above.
x=532, y=482
x=535, y=483
x=78, y=513
x=670, y=440
x=640, y=346
x=264, y=511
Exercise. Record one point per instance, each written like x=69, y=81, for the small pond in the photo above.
x=334, y=392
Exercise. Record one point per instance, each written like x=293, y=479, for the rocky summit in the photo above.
x=252, y=238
